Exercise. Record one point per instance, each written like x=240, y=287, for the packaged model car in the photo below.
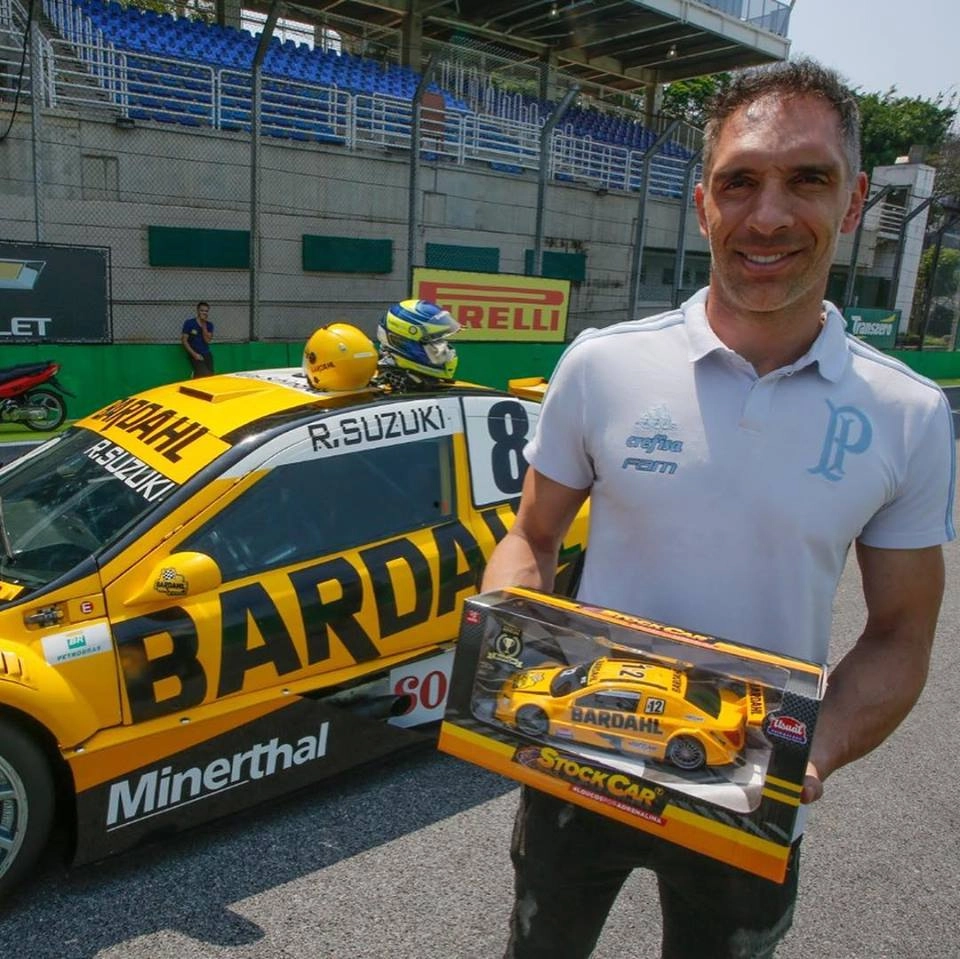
x=632, y=707
x=217, y=591
x=694, y=738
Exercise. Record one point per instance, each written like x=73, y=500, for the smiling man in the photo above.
x=775, y=442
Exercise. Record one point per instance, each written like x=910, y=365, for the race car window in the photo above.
x=615, y=699
x=69, y=500
x=705, y=696
x=315, y=507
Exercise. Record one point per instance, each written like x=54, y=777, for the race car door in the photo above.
x=338, y=552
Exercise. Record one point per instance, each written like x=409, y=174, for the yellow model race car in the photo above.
x=655, y=711
x=218, y=591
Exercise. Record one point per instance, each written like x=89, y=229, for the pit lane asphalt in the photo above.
x=410, y=860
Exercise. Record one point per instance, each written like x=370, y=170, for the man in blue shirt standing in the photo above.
x=195, y=337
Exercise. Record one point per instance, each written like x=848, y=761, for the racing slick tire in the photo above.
x=533, y=721
x=686, y=753
x=26, y=804
x=53, y=406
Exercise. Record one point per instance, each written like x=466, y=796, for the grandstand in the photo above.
x=144, y=138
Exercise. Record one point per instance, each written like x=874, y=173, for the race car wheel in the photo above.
x=48, y=410
x=533, y=721
x=687, y=753
x=26, y=804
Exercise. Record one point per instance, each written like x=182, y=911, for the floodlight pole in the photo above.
x=640, y=235
x=414, y=191
x=852, y=269
x=901, y=243
x=952, y=213
x=36, y=117
x=682, y=227
x=262, y=46
x=546, y=132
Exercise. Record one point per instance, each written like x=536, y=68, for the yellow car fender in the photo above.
x=32, y=686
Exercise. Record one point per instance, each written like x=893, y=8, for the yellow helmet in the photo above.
x=339, y=357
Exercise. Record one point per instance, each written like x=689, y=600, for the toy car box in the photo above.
x=694, y=738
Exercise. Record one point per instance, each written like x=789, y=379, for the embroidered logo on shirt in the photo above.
x=650, y=436
x=656, y=419
x=848, y=431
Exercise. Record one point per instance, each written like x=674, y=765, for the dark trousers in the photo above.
x=570, y=864
x=203, y=366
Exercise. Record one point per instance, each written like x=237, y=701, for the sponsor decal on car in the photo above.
x=171, y=583
x=130, y=470
x=161, y=790
x=76, y=644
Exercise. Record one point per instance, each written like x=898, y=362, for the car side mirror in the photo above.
x=176, y=576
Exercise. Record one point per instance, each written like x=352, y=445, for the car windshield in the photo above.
x=705, y=696
x=67, y=501
x=569, y=679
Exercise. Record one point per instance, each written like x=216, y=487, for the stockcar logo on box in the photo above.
x=498, y=307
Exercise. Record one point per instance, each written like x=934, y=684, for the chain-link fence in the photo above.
x=374, y=156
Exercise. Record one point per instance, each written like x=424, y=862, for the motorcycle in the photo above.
x=28, y=395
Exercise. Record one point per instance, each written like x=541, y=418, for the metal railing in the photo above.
x=91, y=73
x=771, y=15
x=145, y=88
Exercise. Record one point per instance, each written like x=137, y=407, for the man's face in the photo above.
x=202, y=312
x=774, y=203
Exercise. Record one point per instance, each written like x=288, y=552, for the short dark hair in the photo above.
x=787, y=79
x=203, y=303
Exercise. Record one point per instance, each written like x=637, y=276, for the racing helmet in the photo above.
x=413, y=337
x=339, y=357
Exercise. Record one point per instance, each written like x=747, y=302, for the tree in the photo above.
x=946, y=284
x=947, y=281
x=687, y=99
x=947, y=162
x=892, y=124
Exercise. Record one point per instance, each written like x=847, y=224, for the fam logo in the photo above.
x=650, y=437
x=848, y=432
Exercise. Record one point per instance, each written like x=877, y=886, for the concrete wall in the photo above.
x=103, y=185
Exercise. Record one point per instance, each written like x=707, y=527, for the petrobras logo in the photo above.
x=162, y=790
x=492, y=306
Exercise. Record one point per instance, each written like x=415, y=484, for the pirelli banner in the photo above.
x=498, y=307
x=54, y=294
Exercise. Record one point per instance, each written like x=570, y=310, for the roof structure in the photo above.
x=624, y=44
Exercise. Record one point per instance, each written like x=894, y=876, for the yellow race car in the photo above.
x=217, y=591
x=659, y=712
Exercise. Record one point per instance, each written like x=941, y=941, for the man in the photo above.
x=768, y=441
x=196, y=336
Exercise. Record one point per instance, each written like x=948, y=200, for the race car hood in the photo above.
x=180, y=428
x=532, y=680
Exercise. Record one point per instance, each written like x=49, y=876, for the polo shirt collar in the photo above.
x=830, y=350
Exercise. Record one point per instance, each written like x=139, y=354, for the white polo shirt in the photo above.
x=725, y=502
